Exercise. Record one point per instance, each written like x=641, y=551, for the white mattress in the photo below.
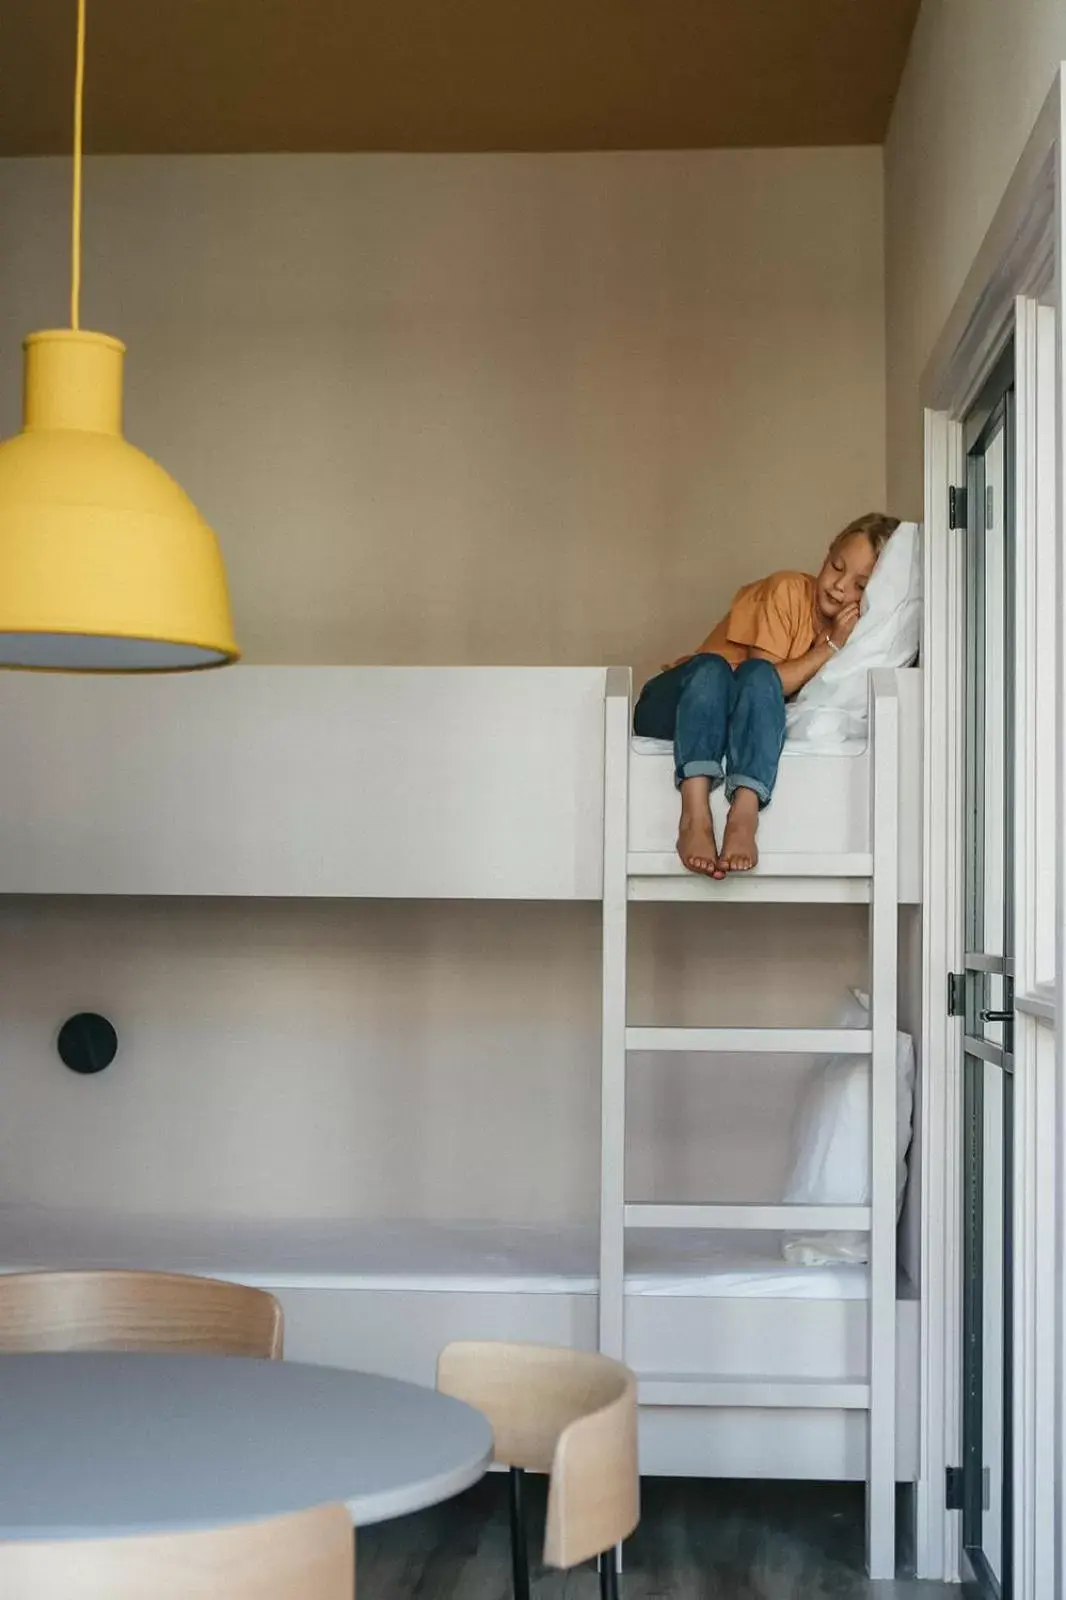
x=793, y=747
x=742, y=1265
x=455, y=1257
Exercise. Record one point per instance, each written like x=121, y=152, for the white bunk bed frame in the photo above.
x=871, y=875
x=281, y=782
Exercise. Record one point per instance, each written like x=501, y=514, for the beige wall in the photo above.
x=527, y=409
x=977, y=75
x=391, y=1058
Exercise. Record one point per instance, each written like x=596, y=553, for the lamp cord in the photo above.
x=75, y=223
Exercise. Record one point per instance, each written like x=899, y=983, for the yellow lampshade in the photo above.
x=105, y=563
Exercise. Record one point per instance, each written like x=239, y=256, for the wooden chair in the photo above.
x=307, y=1556
x=573, y=1416
x=161, y=1311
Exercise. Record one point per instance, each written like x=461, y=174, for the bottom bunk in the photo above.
x=386, y=1296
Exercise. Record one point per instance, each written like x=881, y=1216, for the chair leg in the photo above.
x=608, y=1564
x=519, y=1550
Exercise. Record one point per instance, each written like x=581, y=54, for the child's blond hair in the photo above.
x=877, y=527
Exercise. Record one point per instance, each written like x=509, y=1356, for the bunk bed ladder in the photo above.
x=880, y=870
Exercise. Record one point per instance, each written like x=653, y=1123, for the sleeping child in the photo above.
x=724, y=707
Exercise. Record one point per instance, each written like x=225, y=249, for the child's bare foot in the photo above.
x=696, y=844
x=739, y=852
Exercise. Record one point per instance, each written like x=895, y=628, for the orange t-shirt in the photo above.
x=776, y=614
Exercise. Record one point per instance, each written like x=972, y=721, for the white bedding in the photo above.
x=742, y=1266
x=833, y=707
x=456, y=1257
x=793, y=747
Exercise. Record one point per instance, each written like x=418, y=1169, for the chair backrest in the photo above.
x=307, y=1556
x=565, y=1412
x=50, y=1311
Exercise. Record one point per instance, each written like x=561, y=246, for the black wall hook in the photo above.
x=87, y=1043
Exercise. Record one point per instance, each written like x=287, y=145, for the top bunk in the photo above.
x=817, y=839
x=404, y=782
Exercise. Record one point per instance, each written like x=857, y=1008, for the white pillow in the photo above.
x=832, y=708
x=831, y=1162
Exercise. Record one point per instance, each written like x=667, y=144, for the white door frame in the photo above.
x=1013, y=277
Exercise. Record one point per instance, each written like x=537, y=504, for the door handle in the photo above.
x=997, y=1016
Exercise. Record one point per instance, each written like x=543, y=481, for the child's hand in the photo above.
x=844, y=626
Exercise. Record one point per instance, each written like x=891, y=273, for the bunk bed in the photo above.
x=298, y=783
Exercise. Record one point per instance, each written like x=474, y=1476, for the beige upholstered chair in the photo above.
x=573, y=1416
x=307, y=1556
x=161, y=1311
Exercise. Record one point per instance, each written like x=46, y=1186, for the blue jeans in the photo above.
x=727, y=725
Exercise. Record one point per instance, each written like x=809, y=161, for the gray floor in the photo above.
x=747, y=1541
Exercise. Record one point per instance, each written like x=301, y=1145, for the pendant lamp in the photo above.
x=105, y=563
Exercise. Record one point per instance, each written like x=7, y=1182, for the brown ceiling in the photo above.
x=218, y=75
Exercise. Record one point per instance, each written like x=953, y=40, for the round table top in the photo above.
x=115, y=1444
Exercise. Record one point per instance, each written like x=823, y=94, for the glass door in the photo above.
x=989, y=997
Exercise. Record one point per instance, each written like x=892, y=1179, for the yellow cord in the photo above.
x=75, y=226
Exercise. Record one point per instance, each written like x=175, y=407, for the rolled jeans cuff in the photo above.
x=737, y=780
x=699, y=769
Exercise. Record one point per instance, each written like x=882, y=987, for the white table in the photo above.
x=106, y=1444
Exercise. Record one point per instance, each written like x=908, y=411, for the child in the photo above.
x=724, y=707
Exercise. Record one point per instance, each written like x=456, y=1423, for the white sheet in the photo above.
x=741, y=1266
x=421, y=1256
x=793, y=747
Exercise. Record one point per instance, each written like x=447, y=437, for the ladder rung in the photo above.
x=755, y=1041
x=742, y=889
x=839, y=864
x=823, y=1219
x=798, y=1394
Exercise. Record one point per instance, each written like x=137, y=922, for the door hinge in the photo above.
x=956, y=994
x=956, y=507
x=954, y=1490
